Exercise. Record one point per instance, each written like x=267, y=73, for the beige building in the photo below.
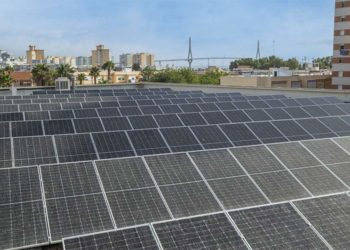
x=100, y=55
x=35, y=55
x=116, y=77
x=341, y=49
x=143, y=59
x=296, y=81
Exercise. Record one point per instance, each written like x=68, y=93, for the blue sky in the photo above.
x=218, y=27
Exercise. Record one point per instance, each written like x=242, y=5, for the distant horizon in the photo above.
x=218, y=28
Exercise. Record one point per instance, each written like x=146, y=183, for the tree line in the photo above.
x=266, y=63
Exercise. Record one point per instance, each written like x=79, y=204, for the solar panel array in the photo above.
x=157, y=168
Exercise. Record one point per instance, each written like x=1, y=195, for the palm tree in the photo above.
x=109, y=65
x=5, y=78
x=42, y=74
x=81, y=77
x=94, y=72
x=65, y=70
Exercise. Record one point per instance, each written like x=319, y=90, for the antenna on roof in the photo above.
x=258, y=56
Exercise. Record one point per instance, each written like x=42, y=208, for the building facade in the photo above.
x=126, y=60
x=143, y=59
x=100, y=55
x=83, y=61
x=35, y=55
x=341, y=49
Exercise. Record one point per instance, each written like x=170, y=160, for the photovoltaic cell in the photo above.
x=151, y=110
x=106, y=112
x=205, y=232
x=4, y=117
x=243, y=105
x=170, y=109
x=189, y=108
x=61, y=114
x=337, y=125
x=237, y=116
x=266, y=132
x=225, y=106
x=139, y=238
x=211, y=137
x=4, y=129
x=126, y=111
x=189, y=199
x=168, y=120
x=319, y=181
x=116, y=123
x=239, y=134
x=172, y=168
x=34, y=151
x=192, y=119
x=37, y=115
x=180, y=139
x=55, y=127
x=257, y=114
x=148, y=142
x=292, y=130
x=331, y=218
x=278, y=113
x=28, y=128
x=112, y=145
x=76, y=147
x=237, y=192
x=315, y=111
x=296, y=112
x=280, y=186
x=87, y=125
x=142, y=122
x=5, y=153
x=208, y=107
x=332, y=110
x=289, y=230
x=215, y=117
x=342, y=170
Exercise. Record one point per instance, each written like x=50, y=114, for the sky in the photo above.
x=300, y=28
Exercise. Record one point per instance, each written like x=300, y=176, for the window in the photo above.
x=343, y=19
x=343, y=4
x=342, y=32
x=340, y=74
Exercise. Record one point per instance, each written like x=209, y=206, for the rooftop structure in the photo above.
x=163, y=168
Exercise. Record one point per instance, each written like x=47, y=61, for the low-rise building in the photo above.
x=116, y=77
x=22, y=78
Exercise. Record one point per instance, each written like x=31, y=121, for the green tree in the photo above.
x=136, y=67
x=293, y=63
x=81, y=77
x=94, y=73
x=147, y=73
x=109, y=66
x=5, y=78
x=43, y=75
x=324, y=62
x=65, y=70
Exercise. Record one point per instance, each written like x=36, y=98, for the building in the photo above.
x=341, y=50
x=126, y=60
x=143, y=59
x=34, y=55
x=83, y=61
x=22, y=78
x=116, y=77
x=100, y=55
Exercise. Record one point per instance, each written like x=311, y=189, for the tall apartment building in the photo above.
x=100, y=55
x=143, y=59
x=35, y=55
x=126, y=60
x=341, y=50
x=83, y=61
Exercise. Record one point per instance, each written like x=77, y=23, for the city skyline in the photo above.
x=224, y=28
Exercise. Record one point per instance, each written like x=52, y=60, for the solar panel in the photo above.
x=239, y=134
x=319, y=100
x=194, y=100
x=316, y=128
x=188, y=108
x=293, y=155
x=243, y=105
x=61, y=114
x=4, y=129
x=77, y=147
x=192, y=119
x=277, y=113
x=109, y=104
x=259, y=104
x=290, y=102
x=88, y=125
x=4, y=117
x=140, y=238
x=33, y=151
x=127, y=103
x=170, y=109
x=337, y=125
x=305, y=101
x=208, y=107
x=257, y=159
x=28, y=107
x=162, y=101
x=112, y=145
x=289, y=230
x=257, y=114
x=205, y=232
x=106, y=112
x=342, y=171
x=211, y=137
x=5, y=155
x=266, y=132
x=151, y=110
x=327, y=151
x=215, y=117
x=296, y=112
x=168, y=120
x=225, y=106
x=319, y=181
x=189, y=199
x=292, y=130
x=126, y=111
x=237, y=192
x=124, y=174
x=180, y=139
x=332, y=110
x=37, y=115
x=71, y=105
x=315, y=111
x=85, y=113
x=237, y=116
x=280, y=186
x=216, y=164
x=172, y=168
x=148, y=142
x=145, y=102
x=177, y=100
x=8, y=108
x=27, y=128
x=331, y=218
x=90, y=105
x=116, y=123
x=54, y=127
x=142, y=122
